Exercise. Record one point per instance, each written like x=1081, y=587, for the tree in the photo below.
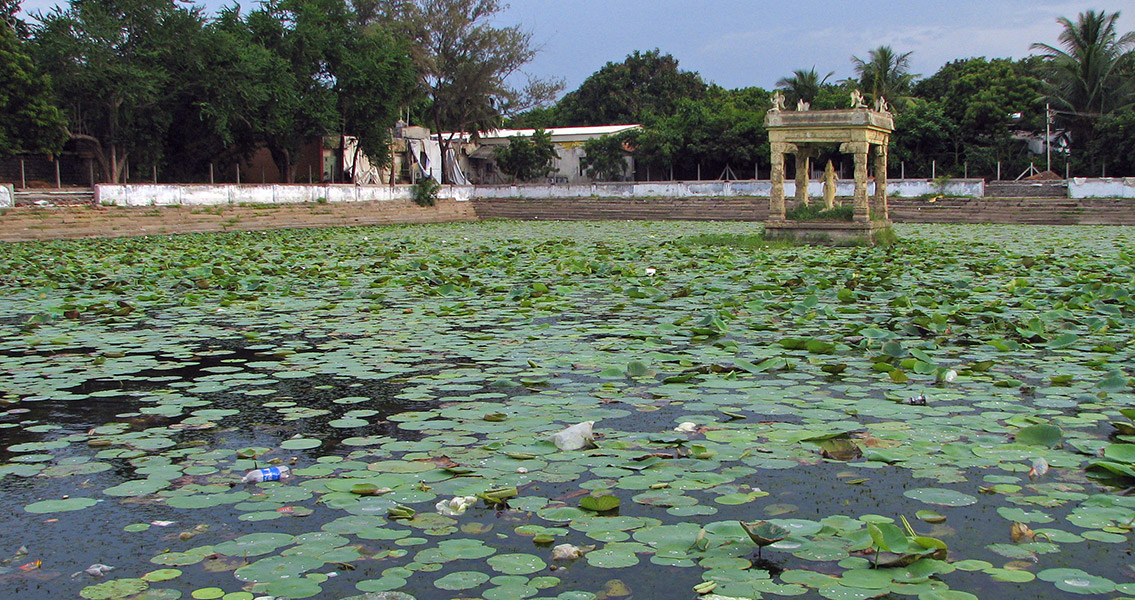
x=29, y=120
x=527, y=157
x=1092, y=75
x=8, y=11
x=885, y=74
x=605, y=157
x=984, y=101
x=239, y=94
x=374, y=79
x=464, y=63
x=645, y=84
x=803, y=85
x=114, y=64
x=723, y=129
x=923, y=134
x=1113, y=145
x=313, y=69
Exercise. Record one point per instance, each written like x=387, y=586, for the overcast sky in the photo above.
x=737, y=43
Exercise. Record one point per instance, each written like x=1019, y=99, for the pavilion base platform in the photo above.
x=835, y=233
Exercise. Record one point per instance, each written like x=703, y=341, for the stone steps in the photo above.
x=37, y=223
x=1026, y=189
x=54, y=197
x=1046, y=211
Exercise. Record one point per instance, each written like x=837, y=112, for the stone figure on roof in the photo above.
x=882, y=106
x=802, y=106
x=777, y=101
x=857, y=99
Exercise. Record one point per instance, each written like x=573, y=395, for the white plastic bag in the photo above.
x=577, y=437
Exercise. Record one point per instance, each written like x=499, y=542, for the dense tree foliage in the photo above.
x=645, y=85
x=465, y=62
x=156, y=82
x=1090, y=75
x=29, y=119
x=725, y=129
x=526, y=158
x=803, y=85
x=885, y=74
x=116, y=64
x=983, y=102
x=605, y=158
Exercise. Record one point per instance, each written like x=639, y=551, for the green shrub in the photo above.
x=425, y=191
x=817, y=212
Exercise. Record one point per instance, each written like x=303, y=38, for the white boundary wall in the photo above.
x=213, y=195
x=7, y=195
x=1107, y=187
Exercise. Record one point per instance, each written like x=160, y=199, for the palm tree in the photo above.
x=1087, y=79
x=803, y=85
x=885, y=74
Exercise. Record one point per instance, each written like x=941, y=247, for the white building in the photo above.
x=479, y=158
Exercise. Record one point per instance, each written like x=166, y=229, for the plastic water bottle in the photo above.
x=267, y=474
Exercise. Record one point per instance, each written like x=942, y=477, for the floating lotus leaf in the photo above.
x=764, y=533
x=274, y=568
x=255, y=544
x=64, y=505
x=516, y=564
x=461, y=580
x=1040, y=435
x=114, y=589
x=1076, y=581
x=941, y=496
x=599, y=503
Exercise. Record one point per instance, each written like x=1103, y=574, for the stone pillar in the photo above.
x=776, y=177
x=803, y=170
x=860, y=209
x=881, y=182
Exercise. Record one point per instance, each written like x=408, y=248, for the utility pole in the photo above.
x=1048, y=114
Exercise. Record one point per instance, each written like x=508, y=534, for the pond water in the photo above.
x=940, y=419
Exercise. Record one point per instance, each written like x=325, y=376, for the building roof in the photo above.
x=558, y=134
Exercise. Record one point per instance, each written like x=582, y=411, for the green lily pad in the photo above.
x=940, y=496
x=55, y=506
x=114, y=589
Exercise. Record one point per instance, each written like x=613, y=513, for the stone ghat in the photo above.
x=1046, y=211
x=59, y=222
x=62, y=222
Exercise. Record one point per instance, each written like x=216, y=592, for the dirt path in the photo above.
x=63, y=222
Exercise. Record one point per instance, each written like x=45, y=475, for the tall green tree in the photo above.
x=723, y=129
x=8, y=11
x=374, y=79
x=1113, y=145
x=803, y=85
x=885, y=74
x=923, y=134
x=114, y=64
x=465, y=63
x=1091, y=73
x=984, y=101
x=29, y=120
x=645, y=84
x=316, y=69
x=605, y=157
x=526, y=158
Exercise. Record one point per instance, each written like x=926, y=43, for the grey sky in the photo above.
x=737, y=43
